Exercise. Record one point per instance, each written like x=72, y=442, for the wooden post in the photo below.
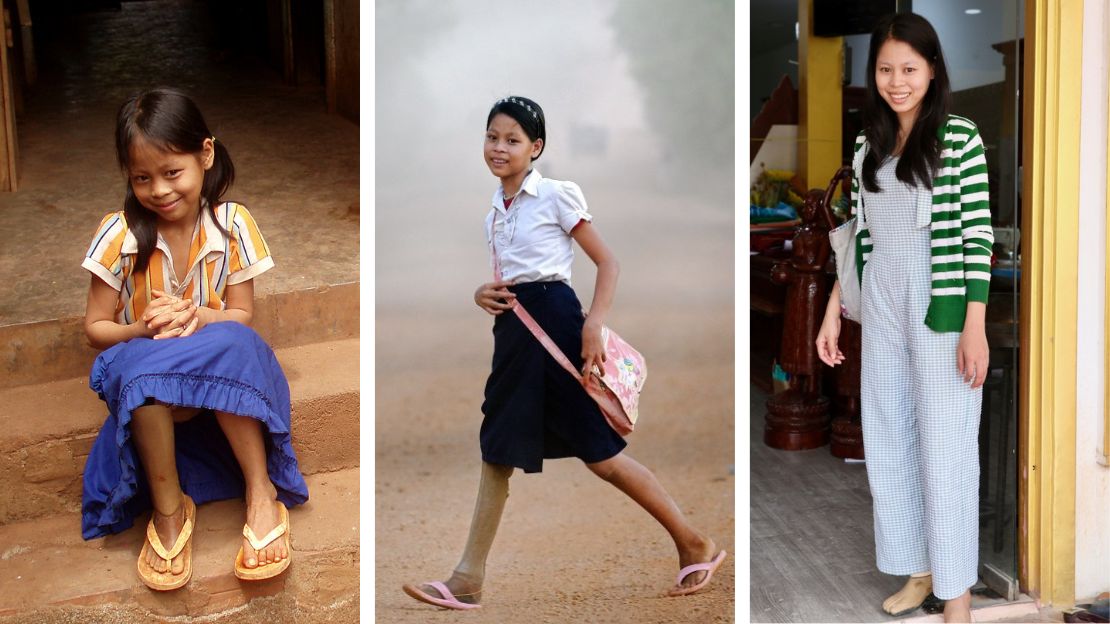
x=8, y=153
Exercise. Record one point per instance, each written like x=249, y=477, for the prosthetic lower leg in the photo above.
x=464, y=589
x=493, y=490
x=911, y=596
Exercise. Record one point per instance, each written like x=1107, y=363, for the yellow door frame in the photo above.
x=1049, y=294
x=1106, y=318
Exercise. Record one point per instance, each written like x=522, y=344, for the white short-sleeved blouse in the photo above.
x=532, y=237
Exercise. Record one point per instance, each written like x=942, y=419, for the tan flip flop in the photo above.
x=165, y=581
x=265, y=570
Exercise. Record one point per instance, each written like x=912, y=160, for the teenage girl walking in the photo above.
x=198, y=405
x=534, y=409
x=920, y=193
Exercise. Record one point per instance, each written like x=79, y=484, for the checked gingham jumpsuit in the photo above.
x=920, y=419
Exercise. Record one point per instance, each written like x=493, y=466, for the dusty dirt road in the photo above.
x=571, y=548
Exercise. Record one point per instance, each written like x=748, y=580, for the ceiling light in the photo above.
x=972, y=11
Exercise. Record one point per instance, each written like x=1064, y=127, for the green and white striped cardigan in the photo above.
x=960, y=218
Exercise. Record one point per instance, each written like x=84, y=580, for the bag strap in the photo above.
x=523, y=314
x=545, y=340
x=857, y=173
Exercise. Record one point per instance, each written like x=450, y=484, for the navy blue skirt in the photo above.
x=225, y=367
x=534, y=409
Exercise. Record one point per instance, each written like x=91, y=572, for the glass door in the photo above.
x=982, y=43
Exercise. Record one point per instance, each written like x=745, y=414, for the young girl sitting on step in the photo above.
x=534, y=409
x=198, y=405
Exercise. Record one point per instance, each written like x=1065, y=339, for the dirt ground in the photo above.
x=571, y=548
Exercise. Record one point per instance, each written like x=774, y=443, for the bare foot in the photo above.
x=168, y=528
x=958, y=609
x=700, y=550
x=262, y=517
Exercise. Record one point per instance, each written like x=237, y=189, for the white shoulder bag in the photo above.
x=843, y=241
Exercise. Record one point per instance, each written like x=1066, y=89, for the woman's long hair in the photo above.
x=921, y=152
x=170, y=120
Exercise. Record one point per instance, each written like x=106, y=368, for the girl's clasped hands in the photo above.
x=170, y=317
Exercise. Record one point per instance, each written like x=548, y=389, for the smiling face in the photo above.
x=508, y=150
x=168, y=183
x=902, y=77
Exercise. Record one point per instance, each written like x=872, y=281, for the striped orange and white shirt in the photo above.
x=214, y=260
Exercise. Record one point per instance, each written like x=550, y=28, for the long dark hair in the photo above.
x=169, y=120
x=921, y=151
x=526, y=113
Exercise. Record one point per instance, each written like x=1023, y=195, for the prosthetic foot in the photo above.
x=468, y=577
x=911, y=596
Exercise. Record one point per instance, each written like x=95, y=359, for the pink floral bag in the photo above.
x=617, y=391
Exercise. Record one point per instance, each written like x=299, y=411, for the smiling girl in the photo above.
x=198, y=405
x=920, y=193
x=534, y=409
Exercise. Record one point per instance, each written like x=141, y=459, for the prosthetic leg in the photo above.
x=911, y=596
x=464, y=589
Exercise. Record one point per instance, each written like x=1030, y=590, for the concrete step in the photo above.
x=49, y=428
x=56, y=350
x=50, y=574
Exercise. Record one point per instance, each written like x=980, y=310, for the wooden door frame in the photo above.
x=9, y=154
x=1049, y=298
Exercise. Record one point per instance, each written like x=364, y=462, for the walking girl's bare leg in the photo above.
x=152, y=434
x=635, y=480
x=469, y=575
x=244, y=434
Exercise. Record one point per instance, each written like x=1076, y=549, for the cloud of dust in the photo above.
x=638, y=96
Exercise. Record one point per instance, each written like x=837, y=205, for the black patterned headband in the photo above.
x=513, y=100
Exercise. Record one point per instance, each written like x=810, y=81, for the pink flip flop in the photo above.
x=709, y=567
x=448, y=600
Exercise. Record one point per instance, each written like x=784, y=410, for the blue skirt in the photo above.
x=534, y=409
x=225, y=367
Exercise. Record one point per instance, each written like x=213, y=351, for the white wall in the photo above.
x=1092, y=482
x=965, y=39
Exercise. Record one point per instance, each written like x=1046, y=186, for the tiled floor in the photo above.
x=296, y=166
x=812, y=542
